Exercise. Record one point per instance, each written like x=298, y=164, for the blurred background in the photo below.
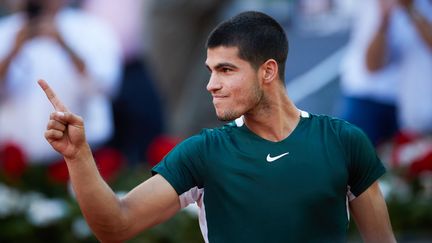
x=134, y=69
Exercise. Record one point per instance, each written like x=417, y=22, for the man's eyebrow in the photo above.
x=221, y=65
x=224, y=65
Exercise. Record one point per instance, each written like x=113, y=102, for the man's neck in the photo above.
x=275, y=121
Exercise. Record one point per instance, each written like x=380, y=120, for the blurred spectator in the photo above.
x=137, y=108
x=75, y=52
x=387, y=75
x=370, y=98
x=323, y=17
x=177, y=31
x=125, y=18
x=413, y=21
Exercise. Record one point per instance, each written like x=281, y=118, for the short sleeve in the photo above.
x=364, y=166
x=183, y=166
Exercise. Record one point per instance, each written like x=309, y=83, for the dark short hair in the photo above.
x=258, y=37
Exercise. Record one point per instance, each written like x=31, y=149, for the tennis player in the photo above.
x=273, y=173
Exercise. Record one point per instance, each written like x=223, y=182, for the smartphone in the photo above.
x=33, y=9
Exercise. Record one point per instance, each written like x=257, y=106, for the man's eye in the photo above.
x=226, y=70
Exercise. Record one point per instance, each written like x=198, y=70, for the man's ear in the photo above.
x=269, y=70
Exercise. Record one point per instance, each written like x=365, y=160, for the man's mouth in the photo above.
x=219, y=96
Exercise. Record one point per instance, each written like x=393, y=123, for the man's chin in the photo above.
x=227, y=117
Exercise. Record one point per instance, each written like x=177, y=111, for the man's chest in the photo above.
x=251, y=172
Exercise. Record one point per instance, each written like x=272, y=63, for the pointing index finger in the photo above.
x=52, y=97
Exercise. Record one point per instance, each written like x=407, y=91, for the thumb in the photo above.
x=68, y=118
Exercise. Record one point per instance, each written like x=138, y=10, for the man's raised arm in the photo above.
x=111, y=219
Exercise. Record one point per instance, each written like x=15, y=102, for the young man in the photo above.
x=275, y=175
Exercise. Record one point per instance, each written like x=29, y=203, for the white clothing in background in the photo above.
x=24, y=109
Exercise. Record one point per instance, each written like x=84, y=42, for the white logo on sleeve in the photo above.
x=271, y=159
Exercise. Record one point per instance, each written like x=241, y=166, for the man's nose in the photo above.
x=213, y=83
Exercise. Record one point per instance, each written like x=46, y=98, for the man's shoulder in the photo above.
x=331, y=120
x=334, y=124
x=12, y=22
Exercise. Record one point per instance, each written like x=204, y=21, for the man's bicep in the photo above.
x=369, y=211
x=150, y=203
x=364, y=165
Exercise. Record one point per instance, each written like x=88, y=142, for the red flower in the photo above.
x=13, y=161
x=58, y=171
x=109, y=162
x=405, y=137
x=401, y=142
x=422, y=164
x=159, y=147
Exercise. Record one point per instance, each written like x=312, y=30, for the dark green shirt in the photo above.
x=253, y=190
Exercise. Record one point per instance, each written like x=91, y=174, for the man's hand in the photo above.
x=65, y=130
x=21, y=37
x=386, y=8
x=43, y=26
x=46, y=26
x=407, y=4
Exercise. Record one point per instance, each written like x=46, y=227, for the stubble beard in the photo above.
x=253, y=102
x=228, y=116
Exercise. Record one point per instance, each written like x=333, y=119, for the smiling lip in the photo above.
x=217, y=99
x=219, y=96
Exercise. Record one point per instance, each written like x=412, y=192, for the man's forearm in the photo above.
x=4, y=67
x=423, y=26
x=77, y=61
x=5, y=64
x=99, y=204
x=376, y=54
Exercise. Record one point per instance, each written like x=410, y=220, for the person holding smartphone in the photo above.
x=47, y=39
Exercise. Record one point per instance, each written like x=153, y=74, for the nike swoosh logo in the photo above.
x=271, y=159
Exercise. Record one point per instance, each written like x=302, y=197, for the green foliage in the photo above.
x=414, y=215
x=35, y=187
x=411, y=214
